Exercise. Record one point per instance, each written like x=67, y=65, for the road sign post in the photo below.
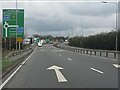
x=19, y=45
x=19, y=40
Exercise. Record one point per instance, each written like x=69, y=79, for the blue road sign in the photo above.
x=6, y=18
x=20, y=30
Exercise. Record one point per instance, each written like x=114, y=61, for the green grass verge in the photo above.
x=6, y=64
x=6, y=52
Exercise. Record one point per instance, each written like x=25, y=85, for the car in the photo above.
x=39, y=44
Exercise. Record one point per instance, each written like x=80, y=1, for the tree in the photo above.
x=105, y=41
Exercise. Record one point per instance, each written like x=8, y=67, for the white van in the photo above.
x=39, y=44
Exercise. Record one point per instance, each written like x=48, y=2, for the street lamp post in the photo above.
x=116, y=3
x=82, y=35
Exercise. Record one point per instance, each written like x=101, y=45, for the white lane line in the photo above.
x=7, y=80
x=35, y=48
x=69, y=59
x=10, y=77
x=116, y=65
x=97, y=70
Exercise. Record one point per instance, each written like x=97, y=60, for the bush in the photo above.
x=106, y=41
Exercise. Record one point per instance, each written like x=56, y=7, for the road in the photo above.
x=70, y=70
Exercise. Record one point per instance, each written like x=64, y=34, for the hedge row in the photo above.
x=105, y=41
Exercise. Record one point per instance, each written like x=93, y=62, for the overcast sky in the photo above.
x=66, y=18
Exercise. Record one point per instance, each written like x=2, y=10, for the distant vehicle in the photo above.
x=39, y=44
x=51, y=42
x=42, y=40
x=26, y=41
x=66, y=40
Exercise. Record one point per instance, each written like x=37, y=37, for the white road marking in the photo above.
x=69, y=59
x=7, y=80
x=60, y=76
x=116, y=65
x=97, y=70
x=35, y=48
x=10, y=77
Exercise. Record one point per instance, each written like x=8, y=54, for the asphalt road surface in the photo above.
x=50, y=67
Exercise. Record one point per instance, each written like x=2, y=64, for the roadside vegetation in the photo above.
x=105, y=41
x=6, y=64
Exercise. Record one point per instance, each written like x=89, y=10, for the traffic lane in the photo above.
x=89, y=58
x=24, y=80
x=99, y=61
x=77, y=69
x=110, y=72
x=77, y=75
x=30, y=74
x=34, y=73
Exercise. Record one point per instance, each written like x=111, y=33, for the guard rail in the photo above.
x=107, y=53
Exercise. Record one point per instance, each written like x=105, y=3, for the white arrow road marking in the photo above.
x=97, y=70
x=60, y=76
x=69, y=59
x=116, y=65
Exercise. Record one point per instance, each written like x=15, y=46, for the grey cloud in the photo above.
x=66, y=17
x=91, y=9
x=48, y=25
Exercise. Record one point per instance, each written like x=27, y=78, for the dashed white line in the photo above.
x=97, y=70
x=69, y=59
x=35, y=48
x=116, y=65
